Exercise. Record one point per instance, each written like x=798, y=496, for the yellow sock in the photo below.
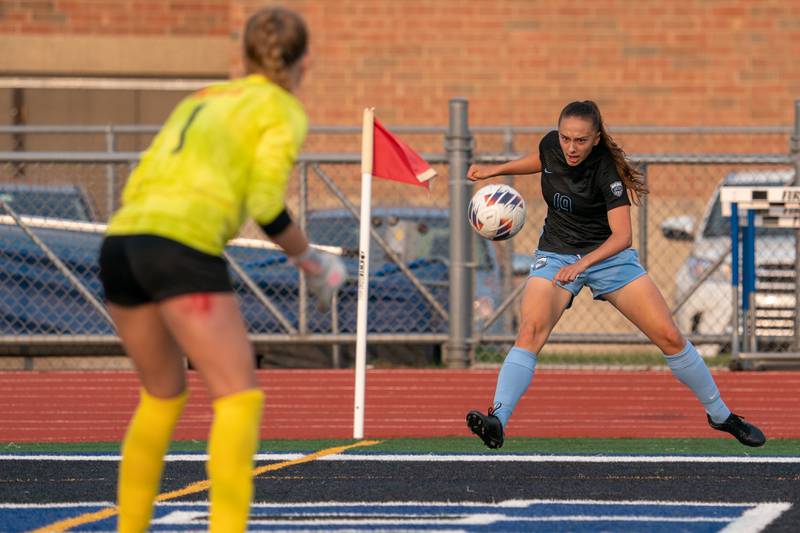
x=233, y=442
x=146, y=441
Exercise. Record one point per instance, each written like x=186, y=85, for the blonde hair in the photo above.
x=632, y=176
x=275, y=38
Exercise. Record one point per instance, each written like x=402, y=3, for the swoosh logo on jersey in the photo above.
x=547, y=171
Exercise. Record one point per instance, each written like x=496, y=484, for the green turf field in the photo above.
x=783, y=447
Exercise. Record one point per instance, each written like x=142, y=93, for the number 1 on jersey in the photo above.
x=189, y=121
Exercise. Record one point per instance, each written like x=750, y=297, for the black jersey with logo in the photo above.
x=578, y=198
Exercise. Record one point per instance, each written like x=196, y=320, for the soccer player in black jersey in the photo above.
x=588, y=185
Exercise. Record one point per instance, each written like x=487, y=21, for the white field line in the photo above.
x=751, y=521
x=199, y=518
x=514, y=504
x=438, y=458
x=756, y=519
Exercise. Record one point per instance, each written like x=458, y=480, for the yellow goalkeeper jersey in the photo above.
x=225, y=153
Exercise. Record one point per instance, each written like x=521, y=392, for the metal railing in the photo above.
x=112, y=134
x=681, y=183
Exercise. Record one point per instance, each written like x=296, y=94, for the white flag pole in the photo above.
x=363, y=273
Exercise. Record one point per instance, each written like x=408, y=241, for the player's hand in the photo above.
x=569, y=273
x=325, y=273
x=480, y=172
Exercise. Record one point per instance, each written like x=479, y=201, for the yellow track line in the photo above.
x=199, y=486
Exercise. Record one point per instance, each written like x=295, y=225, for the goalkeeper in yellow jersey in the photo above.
x=224, y=154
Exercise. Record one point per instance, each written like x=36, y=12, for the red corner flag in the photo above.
x=394, y=160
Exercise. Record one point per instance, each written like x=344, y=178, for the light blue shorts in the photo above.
x=602, y=278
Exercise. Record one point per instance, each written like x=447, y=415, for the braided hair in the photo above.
x=632, y=176
x=275, y=38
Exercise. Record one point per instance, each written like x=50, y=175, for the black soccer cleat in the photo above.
x=745, y=432
x=487, y=427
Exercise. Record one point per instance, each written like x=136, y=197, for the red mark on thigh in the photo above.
x=198, y=303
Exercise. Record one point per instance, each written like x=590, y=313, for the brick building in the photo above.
x=687, y=62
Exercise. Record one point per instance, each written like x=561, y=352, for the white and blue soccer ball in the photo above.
x=497, y=212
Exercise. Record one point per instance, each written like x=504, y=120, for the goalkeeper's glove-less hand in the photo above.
x=325, y=273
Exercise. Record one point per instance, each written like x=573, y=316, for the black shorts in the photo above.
x=138, y=269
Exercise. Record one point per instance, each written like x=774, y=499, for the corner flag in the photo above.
x=394, y=160
x=385, y=156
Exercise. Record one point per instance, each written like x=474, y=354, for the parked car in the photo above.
x=67, y=202
x=420, y=237
x=39, y=300
x=707, y=306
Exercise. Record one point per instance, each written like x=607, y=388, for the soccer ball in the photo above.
x=497, y=212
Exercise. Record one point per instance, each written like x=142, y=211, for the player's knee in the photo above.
x=671, y=340
x=530, y=333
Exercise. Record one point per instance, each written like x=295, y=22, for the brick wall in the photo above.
x=518, y=62
x=115, y=17
x=685, y=62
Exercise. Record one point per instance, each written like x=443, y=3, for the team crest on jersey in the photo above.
x=617, y=188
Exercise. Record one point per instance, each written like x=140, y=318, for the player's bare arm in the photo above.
x=528, y=164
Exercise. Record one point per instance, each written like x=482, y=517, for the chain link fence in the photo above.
x=63, y=199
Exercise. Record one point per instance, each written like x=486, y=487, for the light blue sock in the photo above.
x=512, y=382
x=692, y=371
